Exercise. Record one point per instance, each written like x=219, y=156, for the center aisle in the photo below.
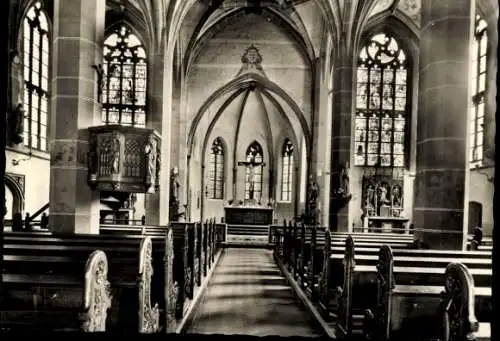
x=248, y=295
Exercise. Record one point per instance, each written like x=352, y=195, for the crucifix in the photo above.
x=250, y=165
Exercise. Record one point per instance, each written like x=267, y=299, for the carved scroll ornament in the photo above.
x=323, y=282
x=149, y=316
x=385, y=284
x=459, y=320
x=171, y=287
x=97, y=295
x=346, y=299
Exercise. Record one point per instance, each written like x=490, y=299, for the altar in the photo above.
x=248, y=215
x=386, y=224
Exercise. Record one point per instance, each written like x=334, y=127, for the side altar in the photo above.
x=248, y=214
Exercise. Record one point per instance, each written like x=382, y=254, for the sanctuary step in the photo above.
x=252, y=230
x=247, y=235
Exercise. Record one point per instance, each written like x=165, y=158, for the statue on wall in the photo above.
x=100, y=81
x=115, y=154
x=312, y=201
x=174, y=195
x=150, y=152
x=341, y=192
x=92, y=159
x=16, y=124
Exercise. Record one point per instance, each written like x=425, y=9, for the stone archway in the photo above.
x=15, y=184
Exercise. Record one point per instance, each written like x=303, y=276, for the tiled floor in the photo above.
x=248, y=295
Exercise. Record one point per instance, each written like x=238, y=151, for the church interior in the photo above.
x=257, y=167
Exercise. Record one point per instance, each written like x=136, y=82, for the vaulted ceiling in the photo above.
x=309, y=22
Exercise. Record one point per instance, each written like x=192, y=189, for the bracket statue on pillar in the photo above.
x=150, y=151
x=341, y=193
x=312, y=202
x=15, y=117
x=174, y=213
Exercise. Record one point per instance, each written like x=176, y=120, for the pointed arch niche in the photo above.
x=249, y=109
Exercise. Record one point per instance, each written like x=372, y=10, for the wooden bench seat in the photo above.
x=120, y=229
x=412, y=268
x=75, y=297
x=410, y=252
x=128, y=262
x=408, y=299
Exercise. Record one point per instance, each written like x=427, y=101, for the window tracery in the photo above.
x=36, y=50
x=125, y=79
x=216, y=170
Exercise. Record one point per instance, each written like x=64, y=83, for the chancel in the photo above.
x=292, y=168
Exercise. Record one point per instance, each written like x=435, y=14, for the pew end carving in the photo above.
x=459, y=320
x=149, y=316
x=97, y=293
x=378, y=326
x=345, y=318
x=171, y=286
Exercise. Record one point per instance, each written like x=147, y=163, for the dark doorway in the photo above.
x=475, y=215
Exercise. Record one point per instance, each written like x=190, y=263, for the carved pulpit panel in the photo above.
x=123, y=159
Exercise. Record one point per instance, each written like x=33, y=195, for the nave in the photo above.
x=249, y=295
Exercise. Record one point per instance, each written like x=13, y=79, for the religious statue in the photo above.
x=396, y=196
x=382, y=199
x=251, y=181
x=92, y=159
x=312, y=201
x=344, y=180
x=150, y=152
x=16, y=124
x=100, y=80
x=158, y=165
x=174, y=195
x=115, y=154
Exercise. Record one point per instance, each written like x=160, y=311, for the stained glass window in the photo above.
x=287, y=171
x=35, y=51
x=216, y=170
x=479, y=68
x=381, y=103
x=253, y=173
x=125, y=80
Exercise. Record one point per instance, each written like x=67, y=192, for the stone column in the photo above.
x=157, y=208
x=444, y=102
x=77, y=45
x=341, y=134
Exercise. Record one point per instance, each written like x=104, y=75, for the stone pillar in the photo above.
x=157, y=209
x=77, y=45
x=341, y=134
x=444, y=102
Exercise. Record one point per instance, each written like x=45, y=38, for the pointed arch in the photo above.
x=287, y=167
x=253, y=175
x=17, y=193
x=479, y=81
x=125, y=65
x=382, y=105
x=35, y=47
x=216, y=169
x=243, y=81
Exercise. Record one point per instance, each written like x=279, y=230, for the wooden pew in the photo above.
x=320, y=252
x=422, y=265
x=130, y=258
x=460, y=291
x=116, y=229
x=183, y=263
x=407, y=297
x=69, y=292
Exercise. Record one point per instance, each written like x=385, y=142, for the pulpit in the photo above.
x=123, y=159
